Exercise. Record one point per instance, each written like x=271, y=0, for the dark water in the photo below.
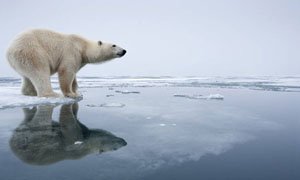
x=248, y=135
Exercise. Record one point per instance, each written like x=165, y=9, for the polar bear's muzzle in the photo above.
x=121, y=53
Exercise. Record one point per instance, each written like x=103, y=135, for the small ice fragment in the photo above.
x=215, y=96
x=211, y=96
x=78, y=142
x=92, y=105
x=174, y=124
x=189, y=96
x=118, y=105
x=127, y=92
x=148, y=117
x=162, y=124
x=109, y=95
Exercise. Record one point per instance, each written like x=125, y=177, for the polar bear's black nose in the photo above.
x=123, y=52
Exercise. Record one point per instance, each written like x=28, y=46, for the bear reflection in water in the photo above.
x=41, y=141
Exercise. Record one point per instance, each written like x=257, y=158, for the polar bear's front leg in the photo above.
x=75, y=87
x=66, y=79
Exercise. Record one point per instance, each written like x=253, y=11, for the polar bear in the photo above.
x=39, y=53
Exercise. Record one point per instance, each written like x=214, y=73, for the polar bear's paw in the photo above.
x=73, y=95
x=52, y=94
x=78, y=94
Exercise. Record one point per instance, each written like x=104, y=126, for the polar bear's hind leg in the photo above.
x=28, y=88
x=42, y=83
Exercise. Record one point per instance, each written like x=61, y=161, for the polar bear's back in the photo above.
x=36, y=47
x=38, y=40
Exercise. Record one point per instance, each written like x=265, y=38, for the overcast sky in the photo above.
x=170, y=37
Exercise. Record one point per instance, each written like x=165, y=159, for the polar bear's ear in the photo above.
x=99, y=43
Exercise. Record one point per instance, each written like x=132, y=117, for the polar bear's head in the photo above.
x=99, y=51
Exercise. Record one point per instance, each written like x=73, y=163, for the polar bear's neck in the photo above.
x=93, y=52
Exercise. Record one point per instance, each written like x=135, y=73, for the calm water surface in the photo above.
x=154, y=135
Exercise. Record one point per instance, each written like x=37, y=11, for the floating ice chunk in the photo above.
x=162, y=124
x=149, y=117
x=215, y=96
x=78, y=142
x=174, y=124
x=211, y=96
x=188, y=96
x=112, y=105
x=127, y=92
x=116, y=105
x=92, y=105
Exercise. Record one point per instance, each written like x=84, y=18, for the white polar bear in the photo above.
x=37, y=54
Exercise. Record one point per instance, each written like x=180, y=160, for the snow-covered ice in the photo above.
x=271, y=83
x=268, y=83
x=11, y=97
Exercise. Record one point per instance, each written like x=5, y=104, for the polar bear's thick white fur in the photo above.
x=37, y=54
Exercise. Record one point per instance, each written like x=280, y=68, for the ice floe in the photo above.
x=11, y=97
x=211, y=96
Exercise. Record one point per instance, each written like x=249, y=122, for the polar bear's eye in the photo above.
x=114, y=45
x=99, y=43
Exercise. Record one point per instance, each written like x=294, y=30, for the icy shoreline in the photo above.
x=11, y=97
x=267, y=83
